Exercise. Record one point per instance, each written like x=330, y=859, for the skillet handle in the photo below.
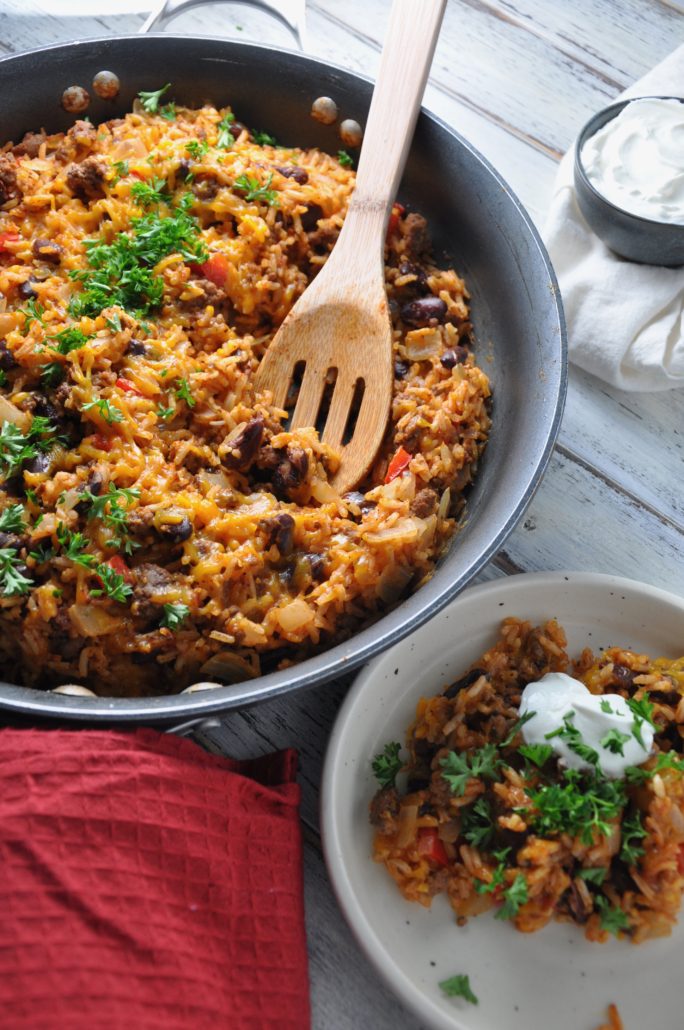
x=290, y=13
x=200, y=725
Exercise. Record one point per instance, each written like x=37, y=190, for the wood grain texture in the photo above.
x=517, y=78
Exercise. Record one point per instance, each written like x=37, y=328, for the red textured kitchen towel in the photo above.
x=147, y=884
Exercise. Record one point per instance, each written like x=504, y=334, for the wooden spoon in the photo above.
x=341, y=322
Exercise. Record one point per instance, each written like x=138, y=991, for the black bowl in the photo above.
x=631, y=236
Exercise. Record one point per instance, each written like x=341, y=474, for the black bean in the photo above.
x=299, y=175
x=317, y=563
x=177, y=532
x=465, y=682
x=40, y=463
x=95, y=482
x=456, y=356
x=45, y=409
x=7, y=358
x=244, y=446
x=183, y=170
x=26, y=291
x=624, y=676
x=424, y=311
x=407, y=268
x=47, y=250
x=136, y=348
x=310, y=217
x=400, y=369
x=281, y=533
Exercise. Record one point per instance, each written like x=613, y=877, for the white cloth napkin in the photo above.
x=625, y=321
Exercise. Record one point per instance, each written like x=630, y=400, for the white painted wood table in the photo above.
x=518, y=78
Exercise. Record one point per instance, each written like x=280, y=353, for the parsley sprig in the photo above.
x=225, y=136
x=13, y=582
x=573, y=738
x=632, y=832
x=149, y=99
x=613, y=918
x=106, y=409
x=387, y=764
x=112, y=509
x=579, y=804
x=150, y=193
x=12, y=519
x=460, y=767
x=113, y=583
x=16, y=447
x=459, y=987
x=253, y=190
x=174, y=615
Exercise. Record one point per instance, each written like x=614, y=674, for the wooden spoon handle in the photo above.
x=406, y=58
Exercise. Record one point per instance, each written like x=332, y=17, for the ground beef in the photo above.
x=324, y=237
x=416, y=235
x=151, y=580
x=86, y=179
x=30, y=145
x=9, y=188
x=211, y=294
x=288, y=467
x=79, y=141
x=384, y=808
x=63, y=640
x=425, y=503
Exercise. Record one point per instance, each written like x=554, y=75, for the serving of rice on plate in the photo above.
x=495, y=823
x=159, y=523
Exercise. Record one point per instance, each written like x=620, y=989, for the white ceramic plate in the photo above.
x=551, y=979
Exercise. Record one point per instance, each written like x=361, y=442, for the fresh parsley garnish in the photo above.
x=263, y=139
x=112, y=509
x=52, y=374
x=149, y=99
x=579, y=804
x=460, y=767
x=613, y=918
x=113, y=583
x=16, y=447
x=122, y=272
x=225, y=136
x=477, y=823
x=106, y=409
x=174, y=615
x=183, y=393
x=498, y=876
x=458, y=987
x=615, y=741
x=515, y=729
x=387, y=764
x=150, y=193
x=253, y=190
x=632, y=832
x=573, y=738
x=122, y=170
x=665, y=760
x=168, y=111
x=514, y=896
x=69, y=339
x=642, y=710
x=12, y=519
x=114, y=322
x=165, y=413
x=13, y=582
x=606, y=707
x=345, y=159
x=33, y=312
x=596, y=875
x=539, y=754
x=197, y=148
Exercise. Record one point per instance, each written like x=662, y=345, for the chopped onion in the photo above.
x=227, y=667
x=401, y=532
x=392, y=582
x=74, y=690
x=444, y=502
x=93, y=622
x=129, y=148
x=423, y=343
x=323, y=492
x=294, y=615
x=408, y=817
x=10, y=413
x=70, y=499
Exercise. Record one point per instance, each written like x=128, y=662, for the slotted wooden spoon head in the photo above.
x=341, y=322
x=346, y=337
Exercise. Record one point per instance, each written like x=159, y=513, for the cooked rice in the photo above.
x=482, y=709
x=231, y=515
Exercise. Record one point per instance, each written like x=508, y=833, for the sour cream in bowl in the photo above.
x=629, y=178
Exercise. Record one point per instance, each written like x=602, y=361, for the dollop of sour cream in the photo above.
x=556, y=698
x=637, y=159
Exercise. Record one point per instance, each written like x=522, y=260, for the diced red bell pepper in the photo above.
x=398, y=211
x=103, y=443
x=138, y=175
x=128, y=387
x=5, y=238
x=431, y=847
x=680, y=860
x=399, y=463
x=119, y=565
x=215, y=269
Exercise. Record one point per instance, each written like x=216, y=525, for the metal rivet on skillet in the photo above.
x=106, y=85
x=351, y=133
x=324, y=110
x=75, y=99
